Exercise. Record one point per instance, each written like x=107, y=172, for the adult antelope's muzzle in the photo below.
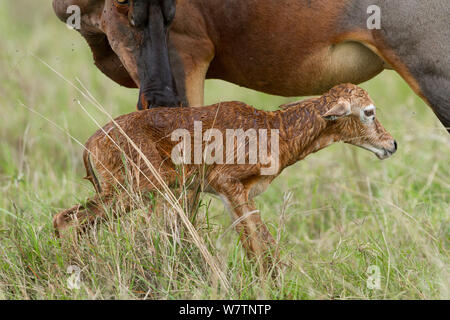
x=157, y=86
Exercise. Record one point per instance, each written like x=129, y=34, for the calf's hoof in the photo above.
x=65, y=219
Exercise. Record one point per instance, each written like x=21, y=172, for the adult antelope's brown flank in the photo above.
x=282, y=47
x=346, y=113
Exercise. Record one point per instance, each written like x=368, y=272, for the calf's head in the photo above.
x=352, y=119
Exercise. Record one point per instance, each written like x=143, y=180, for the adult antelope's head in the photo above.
x=129, y=41
x=352, y=119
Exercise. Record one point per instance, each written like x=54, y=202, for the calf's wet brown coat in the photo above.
x=345, y=113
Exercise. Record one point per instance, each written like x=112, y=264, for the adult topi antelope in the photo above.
x=282, y=47
x=119, y=154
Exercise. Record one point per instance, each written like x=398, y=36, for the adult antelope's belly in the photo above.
x=303, y=74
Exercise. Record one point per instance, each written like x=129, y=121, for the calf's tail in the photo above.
x=91, y=176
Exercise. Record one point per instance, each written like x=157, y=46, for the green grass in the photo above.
x=336, y=213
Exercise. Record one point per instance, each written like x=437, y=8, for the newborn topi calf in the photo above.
x=231, y=149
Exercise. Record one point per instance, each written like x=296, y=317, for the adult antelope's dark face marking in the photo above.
x=145, y=24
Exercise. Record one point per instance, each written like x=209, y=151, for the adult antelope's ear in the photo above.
x=341, y=109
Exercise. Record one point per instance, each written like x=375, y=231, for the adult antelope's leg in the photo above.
x=195, y=84
x=193, y=50
x=414, y=40
x=436, y=89
x=191, y=72
x=417, y=44
x=431, y=82
x=427, y=74
x=428, y=80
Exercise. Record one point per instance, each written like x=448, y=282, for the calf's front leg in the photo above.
x=254, y=234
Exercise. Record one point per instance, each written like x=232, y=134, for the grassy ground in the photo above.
x=336, y=214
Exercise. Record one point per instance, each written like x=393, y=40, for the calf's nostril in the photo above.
x=395, y=145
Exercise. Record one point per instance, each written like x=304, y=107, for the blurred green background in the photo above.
x=348, y=210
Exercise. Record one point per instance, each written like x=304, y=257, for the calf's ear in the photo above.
x=341, y=109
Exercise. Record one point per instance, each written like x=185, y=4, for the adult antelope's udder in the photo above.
x=296, y=73
x=351, y=62
x=346, y=62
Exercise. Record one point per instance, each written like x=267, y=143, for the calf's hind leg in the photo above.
x=81, y=217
